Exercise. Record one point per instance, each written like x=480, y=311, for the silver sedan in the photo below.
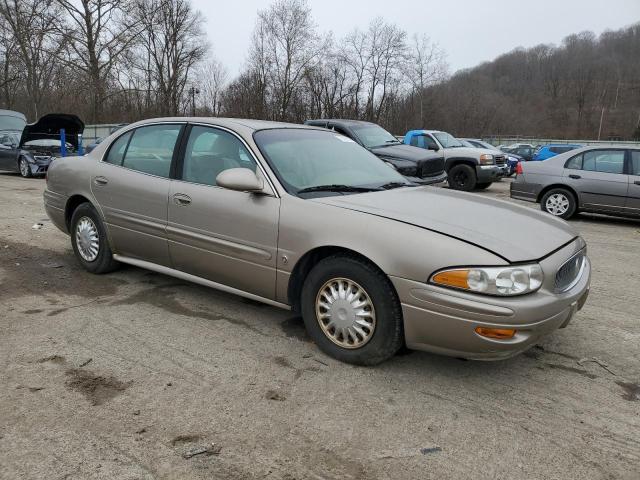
x=305, y=219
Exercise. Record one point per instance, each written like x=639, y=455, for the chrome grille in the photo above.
x=570, y=272
x=500, y=159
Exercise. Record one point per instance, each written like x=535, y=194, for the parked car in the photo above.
x=526, y=153
x=304, y=219
x=11, y=126
x=467, y=168
x=548, y=151
x=512, y=159
x=590, y=179
x=418, y=166
x=39, y=143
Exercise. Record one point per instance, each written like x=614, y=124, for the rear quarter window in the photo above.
x=574, y=163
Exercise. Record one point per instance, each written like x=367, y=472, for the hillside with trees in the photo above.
x=113, y=61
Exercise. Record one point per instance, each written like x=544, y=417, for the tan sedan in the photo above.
x=306, y=219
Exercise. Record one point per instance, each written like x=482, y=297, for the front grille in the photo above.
x=431, y=167
x=500, y=159
x=569, y=273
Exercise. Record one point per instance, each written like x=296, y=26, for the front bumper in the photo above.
x=436, y=180
x=444, y=321
x=488, y=173
x=39, y=164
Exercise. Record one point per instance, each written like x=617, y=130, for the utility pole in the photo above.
x=601, y=118
x=193, y=91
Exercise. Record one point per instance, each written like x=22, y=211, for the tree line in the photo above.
x=113, y=61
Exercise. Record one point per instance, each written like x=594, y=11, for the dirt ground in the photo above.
x=122, y=376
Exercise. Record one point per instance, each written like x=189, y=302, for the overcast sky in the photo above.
x=470, y=31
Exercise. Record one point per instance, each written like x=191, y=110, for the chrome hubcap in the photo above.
x=345, y=313
x=557, y=204
x=24, y=167
x=87, y=239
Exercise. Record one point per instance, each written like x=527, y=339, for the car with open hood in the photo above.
x=417, y=166
x=31, y=150
x=298, y=218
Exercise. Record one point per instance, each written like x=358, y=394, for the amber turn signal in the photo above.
x=452, y=278
x=497, y=333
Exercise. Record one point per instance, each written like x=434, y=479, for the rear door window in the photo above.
x=151, y=149
x=605, y=161
x=574, y=163
x=635, y=162
x=118, y=149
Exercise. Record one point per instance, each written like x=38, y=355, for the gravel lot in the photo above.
x=118, y=376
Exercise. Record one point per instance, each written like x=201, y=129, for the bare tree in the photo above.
x=289, y=45
x=214, y=76
x=33, y=24
x=426, y=67
x=98, y=33
x=173, y=42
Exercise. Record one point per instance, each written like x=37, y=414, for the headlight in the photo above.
x=486, y=159
x=498, y=281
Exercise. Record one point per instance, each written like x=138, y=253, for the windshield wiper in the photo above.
x=392, y=185
x=337, y=188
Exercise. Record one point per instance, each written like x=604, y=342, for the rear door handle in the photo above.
x=575, y=177
x=100, y=181
x=181, y=199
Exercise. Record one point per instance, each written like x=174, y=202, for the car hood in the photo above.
x=469, y=152
x=49, y=126
x=515, y=233
x=405, y=152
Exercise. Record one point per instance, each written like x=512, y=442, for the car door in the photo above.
x=599, y=178
x=226, y=236
x=131, y=185
x=633, y=199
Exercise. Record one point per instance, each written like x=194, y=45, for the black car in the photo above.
x=30, y=150
x=417, y=165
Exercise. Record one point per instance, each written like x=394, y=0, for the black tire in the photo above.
x=23, y=168
x=562, y=195
x=483, y=186
x=387, y=337
x=462, y=177
x=104, y=261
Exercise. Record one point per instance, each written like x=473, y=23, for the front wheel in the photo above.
x=24, y=168
x=559, y=202
x=89, y=240
x=351, y=311
x=462, y=177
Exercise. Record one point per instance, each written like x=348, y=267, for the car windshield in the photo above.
x=323, y=163
x=373, y=136
x=447, y=140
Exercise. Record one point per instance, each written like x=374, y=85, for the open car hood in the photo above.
x=49, y=126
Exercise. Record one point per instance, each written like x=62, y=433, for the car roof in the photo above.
x=248, y=124
x=342, y=121
x=561, y=145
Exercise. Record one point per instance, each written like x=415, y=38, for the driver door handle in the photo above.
x=575, y=177
x=100, y=181
x=181, y=199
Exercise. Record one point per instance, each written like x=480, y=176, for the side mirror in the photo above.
x=240, y=179
x=433, y=148
x=9, y=145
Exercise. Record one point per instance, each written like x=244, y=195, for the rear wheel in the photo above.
x=351, y=311
x=24, y=168
x=559, y=202
x=89, y=240
x=462, y=177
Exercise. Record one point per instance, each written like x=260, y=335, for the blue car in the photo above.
x=551, y=150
